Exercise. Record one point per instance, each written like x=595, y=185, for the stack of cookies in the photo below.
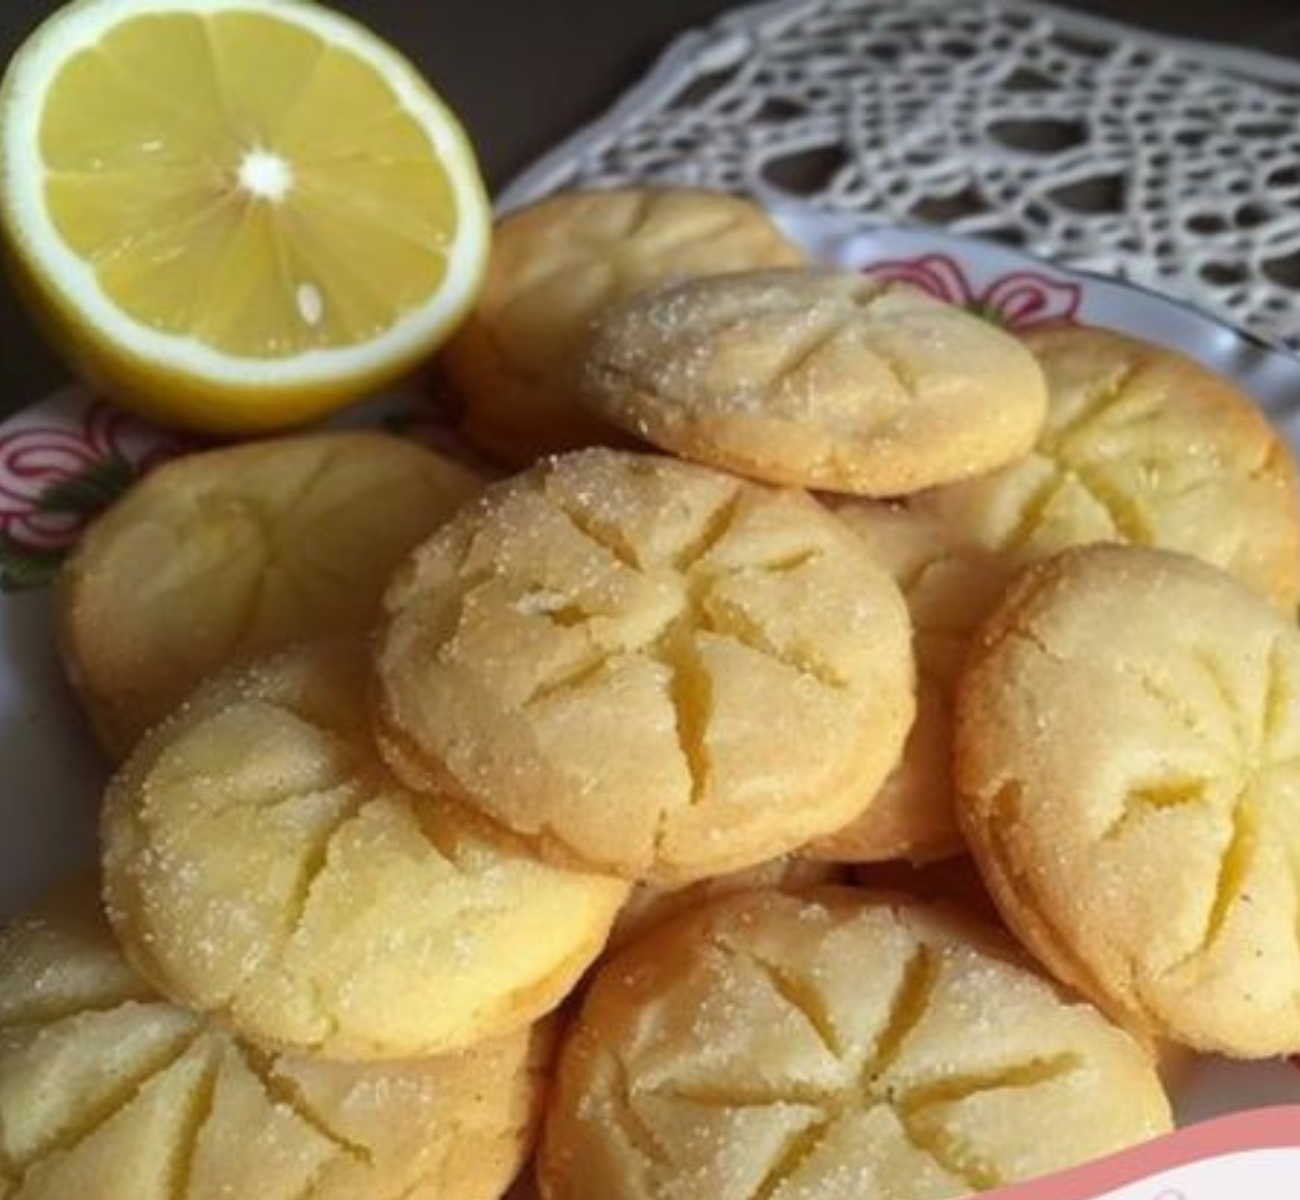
x=805, y=576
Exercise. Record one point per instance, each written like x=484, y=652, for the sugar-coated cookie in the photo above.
x=1141, y=445
x=240, y=551
x=556, y=265
x=1128, y=767
x=833, y=1045
x=950, y=584
x=108, y=1092
x=816, y=378
x=1146, y=447
x=646, y=666
x=650, y=906
x=263, y=866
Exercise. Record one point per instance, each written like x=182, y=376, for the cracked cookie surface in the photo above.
x=555, y=266
x=834, y=1044
x=613, y=655
x=1145, y=447
x=1141, y=446
x=1128, y=767
x=240, y=551
x=109, y=1092
x=816, y=378
x=262, y=865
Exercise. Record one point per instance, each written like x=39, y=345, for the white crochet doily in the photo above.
x=1171, y=163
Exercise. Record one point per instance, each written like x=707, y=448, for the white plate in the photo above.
x=59, y=459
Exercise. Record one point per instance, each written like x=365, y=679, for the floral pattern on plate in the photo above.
x=60, y=466
x=1016, y=300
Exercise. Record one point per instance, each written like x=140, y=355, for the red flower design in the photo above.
x=1025, y=299
x=1020, y=300
x=937, y=274
x=56, y=475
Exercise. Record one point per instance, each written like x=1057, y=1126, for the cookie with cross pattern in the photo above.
x=109, y=1092
x=262, y=866
x=1127, y=753
x=816, y=378
x=240, y=551
x=1141, y=446
x=829, y=1045
x=614, y=655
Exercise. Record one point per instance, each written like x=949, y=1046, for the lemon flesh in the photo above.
x=238, y=214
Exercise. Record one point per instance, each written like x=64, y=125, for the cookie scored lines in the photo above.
x=1248, y=763
x=620, y=256
x=865, y=1082
x=199, y=1048
x=359, y=788
x=1109, y=409
x=1101, y=410
x=1068, y=467
x=1258, y=765
x=52, y=1013
x=280, y=557
x=698, y=609
x=607, y=253
x=694, y=330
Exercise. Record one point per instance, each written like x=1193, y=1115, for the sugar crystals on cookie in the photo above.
x=617, y=656
x=262, y=865
x=1128, y=768
x=105, y=1087
x=833, y=1045
x=816, y=378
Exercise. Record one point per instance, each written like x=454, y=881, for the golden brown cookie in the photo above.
x=651, y=906
x=832, y=1045
x=816, y=378
x=556, y=265
x=262, y=866
x=108, y=1092
x=1146, y=447
x=614, y=655
x=1141, y=445
x=236, y=552
x=950, y=585
x=1128, y=763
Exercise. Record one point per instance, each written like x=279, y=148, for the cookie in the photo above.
x=556, y=265
x=651, y=906
x=950, y=584
x=235, y=552
x=833, y=1045
x=613, y=655
x=109, y=1092
x=1128, y=767
x=262, y=866
x=816, y=378
x=1113, y=464
x=1145, y=447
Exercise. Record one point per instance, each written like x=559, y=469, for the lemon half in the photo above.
x=235, y=215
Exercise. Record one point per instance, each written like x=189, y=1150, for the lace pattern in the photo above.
x=1170, y=163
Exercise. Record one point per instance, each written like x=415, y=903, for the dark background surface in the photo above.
x=523, y=73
